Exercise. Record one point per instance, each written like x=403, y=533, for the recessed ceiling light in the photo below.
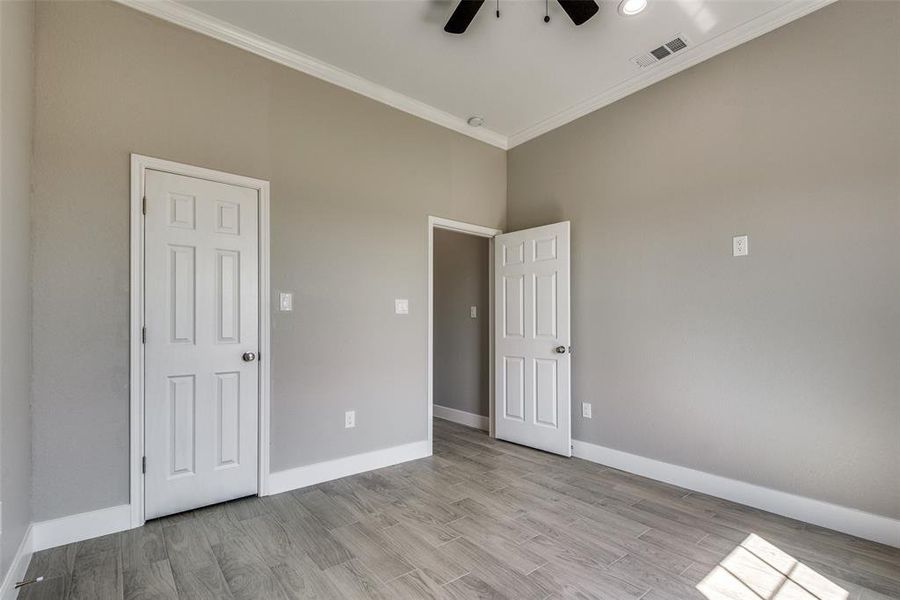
x=629, y=8
x=475, y=121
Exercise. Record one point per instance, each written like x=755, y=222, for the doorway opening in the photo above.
x=461, y=333
x=529, y=345
x=460, y=324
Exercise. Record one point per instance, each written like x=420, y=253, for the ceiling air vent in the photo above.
x=663, y=52
x=660, y=53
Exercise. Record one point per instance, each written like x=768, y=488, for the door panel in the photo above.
x=201, y=314
x=514, y=301
x=546, y=386
x=514, y=387
x=183, y=301
x=228, y=412
x=531, y=271
x=228, y=301
x=181, y=430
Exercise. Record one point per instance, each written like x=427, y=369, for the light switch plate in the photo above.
x=473, y=312
x=285, y=301
x=350, y=419
x=585, y=410
x=401, y=306
x=741, y=245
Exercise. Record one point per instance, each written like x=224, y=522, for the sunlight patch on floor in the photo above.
x=757, y=570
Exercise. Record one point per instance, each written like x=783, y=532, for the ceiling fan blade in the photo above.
x=580, y=11
x=462, y=16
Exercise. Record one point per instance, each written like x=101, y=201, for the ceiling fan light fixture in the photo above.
x=475, y=121
x=629, y=8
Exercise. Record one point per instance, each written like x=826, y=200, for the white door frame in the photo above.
x=480, y=231
x=139, y=165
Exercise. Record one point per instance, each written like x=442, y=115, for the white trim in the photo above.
x=481, y=231
x=463, y=227
x=265, y=338
x=200, y=22
x=136, y=348
x=462, y=417
x=139, y=165
x=292, y=479
x=18, y=567
x=82, y=526
x=745, y=32
x=840, y=518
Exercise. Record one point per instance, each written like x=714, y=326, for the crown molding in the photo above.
x=195, y=20
x=192, y=19
x=754, y=28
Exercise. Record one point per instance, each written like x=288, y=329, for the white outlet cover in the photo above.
x=285, y=301
x=401, y=306
x=473, y=312
x=585, y=410
x=741, y=245
x=349, y=419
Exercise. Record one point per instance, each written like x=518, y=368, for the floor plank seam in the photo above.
x=446, y=583
x=572, y=528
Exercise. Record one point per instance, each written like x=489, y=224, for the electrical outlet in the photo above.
x=401, y=306
x=585, y=410
x=473, y=312
x=741, y=245
x=349, y=419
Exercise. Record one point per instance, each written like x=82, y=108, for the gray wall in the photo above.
x=461, y=344
x=781, y=368
x=352, y=184
x=16, y=101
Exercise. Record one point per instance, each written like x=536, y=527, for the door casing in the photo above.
x=139, y=166
x=479, y=231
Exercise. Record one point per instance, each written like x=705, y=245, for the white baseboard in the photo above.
x=18, y=567
x=833, y=516
x=83, y=526
x=462, y=417
x=291, y=479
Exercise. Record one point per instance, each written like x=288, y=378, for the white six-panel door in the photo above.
x=532, y=360
x=201, y=317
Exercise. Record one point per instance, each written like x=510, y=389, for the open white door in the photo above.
x=531, y=338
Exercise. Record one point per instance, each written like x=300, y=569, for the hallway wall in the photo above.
x=461, y=343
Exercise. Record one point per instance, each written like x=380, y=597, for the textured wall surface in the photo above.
x=353, y=182
x=780, y=368
x=16, y=103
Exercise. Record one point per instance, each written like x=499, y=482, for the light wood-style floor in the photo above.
x=479, y=519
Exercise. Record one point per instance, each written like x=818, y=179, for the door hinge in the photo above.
x=144, y=205
x=143, y=464
x=143, y=335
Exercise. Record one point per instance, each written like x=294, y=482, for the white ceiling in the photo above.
x=522, y=75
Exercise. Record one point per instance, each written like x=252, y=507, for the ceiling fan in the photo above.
x=578, y=10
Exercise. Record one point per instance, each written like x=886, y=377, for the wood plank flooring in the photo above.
x=479, y=519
